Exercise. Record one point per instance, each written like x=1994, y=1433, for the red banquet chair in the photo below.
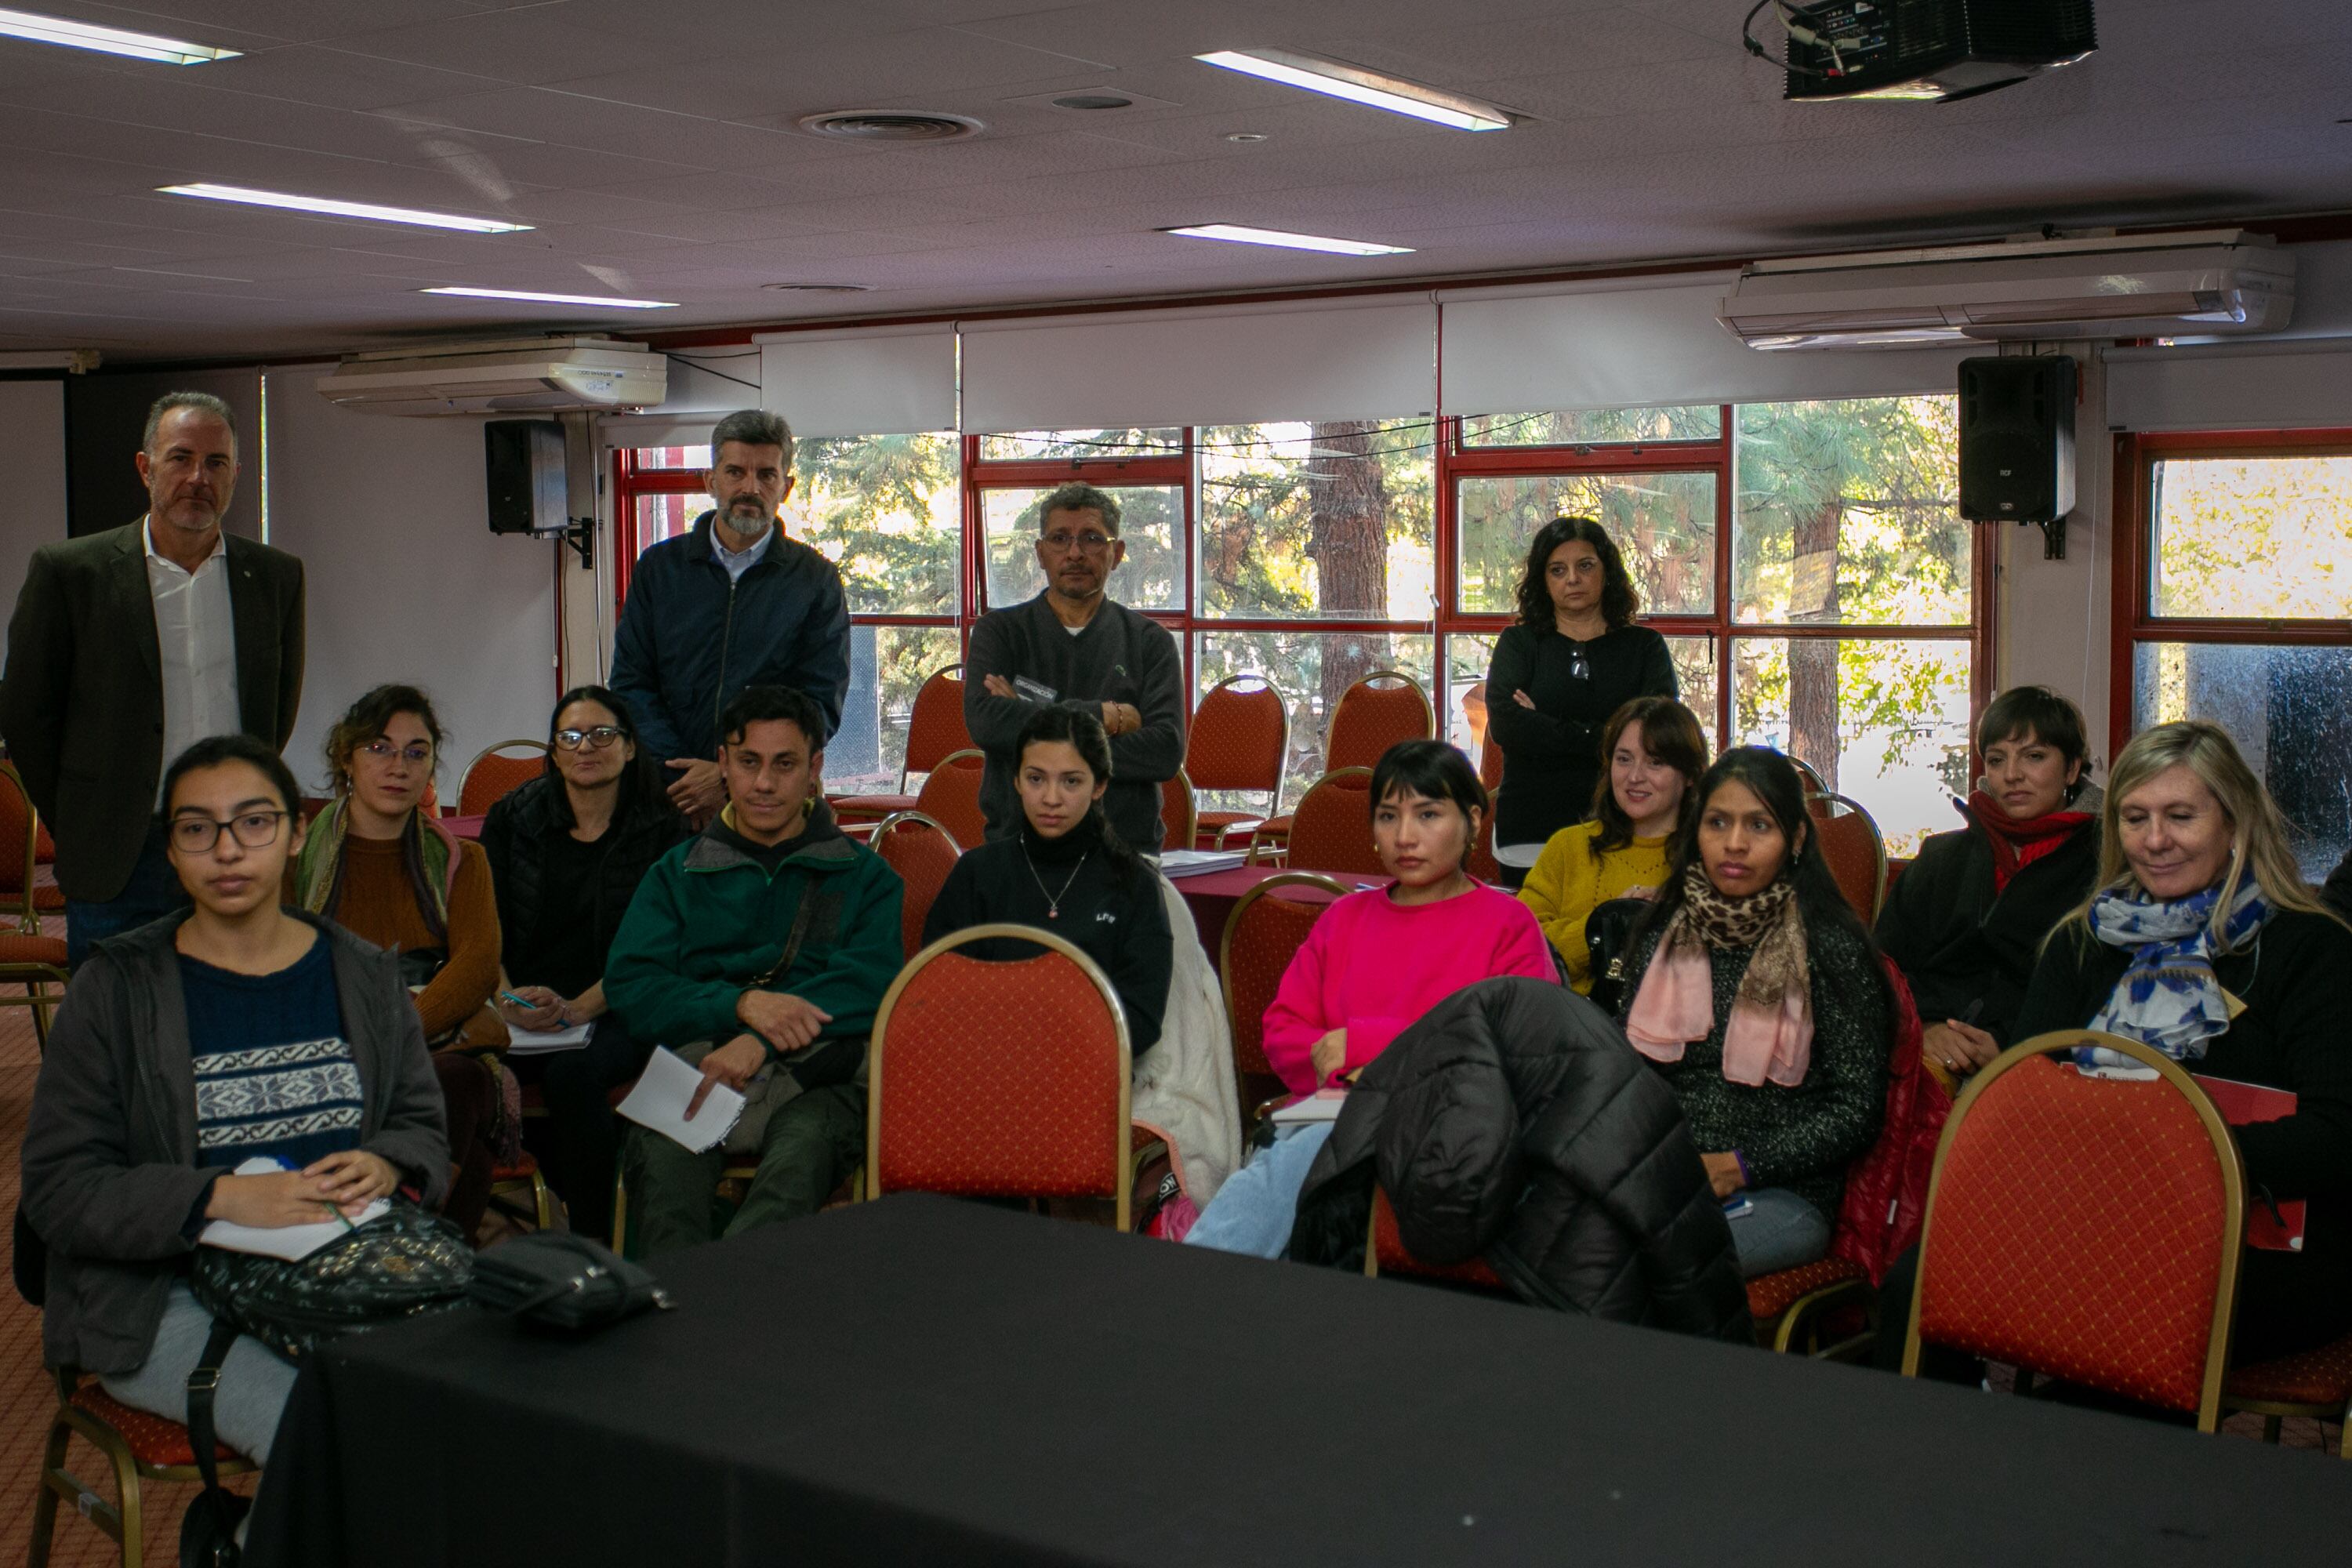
x=1178, y=816
x=1261, y=936
x=27, y=958
x=935, y=730
x=1383, y=708
x=138, y=1446
x=950, y=797
x=955, y=1104
x=493, y=773
x=1853, y=850
x=922, y=853
x=1239, y=738
x=2085, y=1229
x=1331, y=831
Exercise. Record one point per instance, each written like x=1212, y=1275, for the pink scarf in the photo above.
x=1771, y=1032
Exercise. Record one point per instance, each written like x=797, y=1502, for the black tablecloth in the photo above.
x=921, y=1381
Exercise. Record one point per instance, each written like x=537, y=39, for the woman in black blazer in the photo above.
x=1574, y=659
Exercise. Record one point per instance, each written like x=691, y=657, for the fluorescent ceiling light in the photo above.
x=344, y=209
x=1240, y=234
x=108, y=40
x=602, y=301
x=1358, y=85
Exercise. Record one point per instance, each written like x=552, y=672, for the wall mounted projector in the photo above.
x=2204, y=283
x=512, y=375
x=1929, y=51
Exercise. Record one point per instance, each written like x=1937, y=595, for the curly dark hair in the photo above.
x=1618, y=600
x=364, y=721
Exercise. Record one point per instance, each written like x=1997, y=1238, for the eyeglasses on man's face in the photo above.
x=602, y=736
x=251, y=829
x=1060, y=541
x=417, y=753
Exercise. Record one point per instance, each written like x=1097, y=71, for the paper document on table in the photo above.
x=660, y=1099
x=532, y=1042
x=1176, y=863
x=291, y=1242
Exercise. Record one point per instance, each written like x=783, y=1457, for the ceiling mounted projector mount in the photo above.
x=1921, y=51
x=896, y=126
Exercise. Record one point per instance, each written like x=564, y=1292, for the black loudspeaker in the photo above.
x=2017, y=439
x=524, y=459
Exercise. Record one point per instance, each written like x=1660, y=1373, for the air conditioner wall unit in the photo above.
x=2211, y=283
x=515, y=376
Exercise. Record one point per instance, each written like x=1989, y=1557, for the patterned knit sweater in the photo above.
x=1802, y=1137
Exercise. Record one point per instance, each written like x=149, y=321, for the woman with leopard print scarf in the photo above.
x=1757, y=993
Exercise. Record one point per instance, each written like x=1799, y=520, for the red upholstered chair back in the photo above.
x=1261, y=935
x=935, y=729
x=922, y=853
x=496, y=770
x=1809, y=775
x=1002, y=1080
x=1482, y=864
x=1855, y=853
x=1385, y=707
x=1385, y=1253
x=2085, y=1228
x=20, y=838
x=1240, y=734
x=1332, y=828
x=1178, y=817
x=950, y=797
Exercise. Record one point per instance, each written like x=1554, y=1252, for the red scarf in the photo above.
x=2017, y=845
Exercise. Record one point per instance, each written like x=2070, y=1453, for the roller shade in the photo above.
x=871, y=381
x=2295, y=383
x=1607, y=346
x=1234, y=366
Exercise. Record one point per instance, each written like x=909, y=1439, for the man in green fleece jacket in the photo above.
x=771, y=937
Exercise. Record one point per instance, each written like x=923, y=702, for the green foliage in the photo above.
x=1257, y=506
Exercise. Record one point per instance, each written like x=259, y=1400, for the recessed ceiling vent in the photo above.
x=890, y=125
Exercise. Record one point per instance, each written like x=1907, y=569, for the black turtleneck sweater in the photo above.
x=1071, y=887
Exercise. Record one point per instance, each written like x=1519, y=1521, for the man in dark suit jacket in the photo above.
x=127, y=647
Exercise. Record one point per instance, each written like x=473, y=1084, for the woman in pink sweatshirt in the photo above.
x=1372, y=965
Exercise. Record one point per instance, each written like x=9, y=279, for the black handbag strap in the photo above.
x=203, y=1382
x=803, y=917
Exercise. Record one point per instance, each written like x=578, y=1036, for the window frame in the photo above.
x=2132, y=618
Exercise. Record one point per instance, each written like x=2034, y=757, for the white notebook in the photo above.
x=291, y=1242
x=535, y=1042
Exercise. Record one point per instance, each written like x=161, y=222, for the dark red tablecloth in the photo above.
x=1213, y=895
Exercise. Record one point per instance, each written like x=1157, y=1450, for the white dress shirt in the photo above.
x=195, y=631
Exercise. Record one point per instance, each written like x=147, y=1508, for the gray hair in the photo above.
x=202, y=401
x=1078, y=495
x=754, y=427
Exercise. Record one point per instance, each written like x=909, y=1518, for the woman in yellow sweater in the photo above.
x=1656, y=753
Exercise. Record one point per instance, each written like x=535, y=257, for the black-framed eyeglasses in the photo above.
x=602, y=736
x=382, y=750
x=251, y=829
x=1090, y=541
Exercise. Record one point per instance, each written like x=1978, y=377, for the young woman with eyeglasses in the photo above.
x=566, y=853
x=1573, y=660
x=377, y=862
x=173, y=1055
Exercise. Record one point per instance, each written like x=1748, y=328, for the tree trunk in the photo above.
x=1348, y=541
x=1813, y=661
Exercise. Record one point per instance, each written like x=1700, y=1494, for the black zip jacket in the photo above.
x=514, y=838
x=690, y=638
x=1514, y=1123
x=1967, y=951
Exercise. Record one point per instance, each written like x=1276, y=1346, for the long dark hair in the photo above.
x=641, y=783
x=1434, y=771
x=1770, y=778
x=1618, y=600
x=1671, y=733
x=1083, y=732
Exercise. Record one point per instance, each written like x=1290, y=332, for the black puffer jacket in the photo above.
x=515, y=837
x=1514, y=1121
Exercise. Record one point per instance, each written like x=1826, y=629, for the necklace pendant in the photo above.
x=1052, y=913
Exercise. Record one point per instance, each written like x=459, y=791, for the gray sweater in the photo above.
x=1119, y=657
x=109, y=1169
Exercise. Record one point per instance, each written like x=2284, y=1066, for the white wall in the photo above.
x=406, y=580
x=33, y=428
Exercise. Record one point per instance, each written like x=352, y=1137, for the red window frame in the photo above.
x=2133, y=619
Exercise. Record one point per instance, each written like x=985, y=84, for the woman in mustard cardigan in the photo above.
x=1656, y=753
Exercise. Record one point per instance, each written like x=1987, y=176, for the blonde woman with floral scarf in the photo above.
x=1756, y=994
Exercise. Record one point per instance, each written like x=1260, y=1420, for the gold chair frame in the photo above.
x=1830, y=798
x=35, y=978
x=1184, y=781
x=2225, y=1152
x=125, y=1521
x=1124, y=1181
x=1282, y=753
